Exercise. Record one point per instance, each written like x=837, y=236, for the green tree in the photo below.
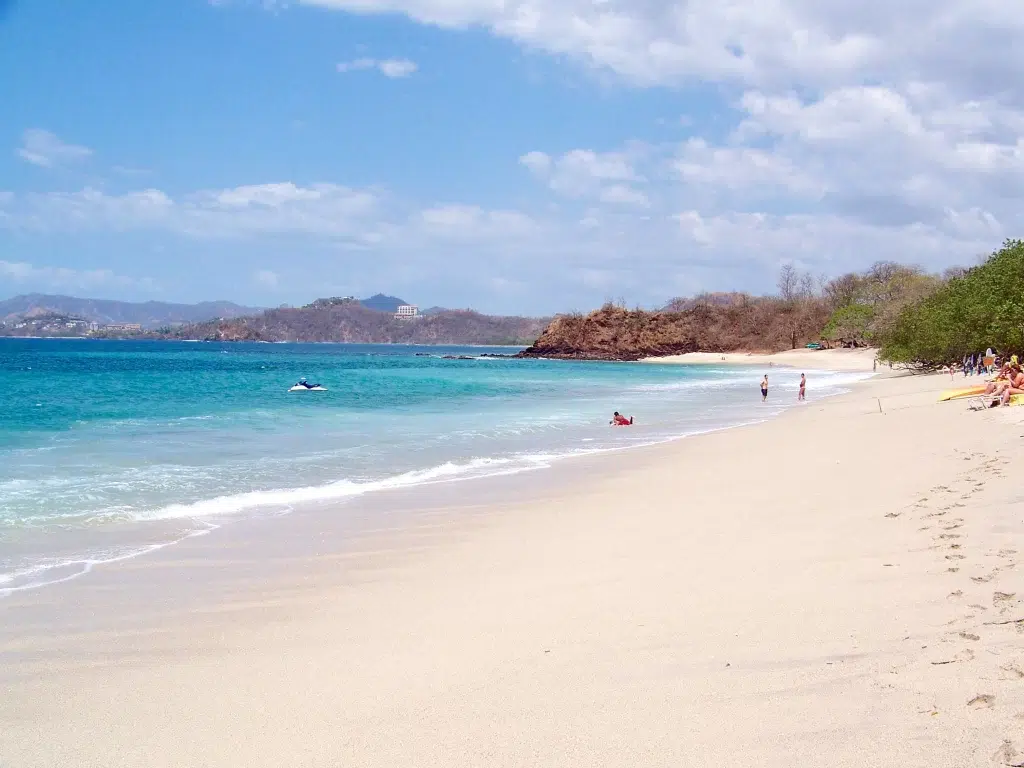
x=850, y=324
x=984, y=307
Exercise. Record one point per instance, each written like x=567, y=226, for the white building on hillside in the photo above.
x=405, y=311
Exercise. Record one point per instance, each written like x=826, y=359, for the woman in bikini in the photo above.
x=803, y=388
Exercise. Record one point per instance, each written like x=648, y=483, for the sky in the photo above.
x=513, y=156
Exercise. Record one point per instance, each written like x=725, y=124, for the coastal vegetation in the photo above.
x=912, y=316
x=970, y=311
x=705, y=323
x=865, y=306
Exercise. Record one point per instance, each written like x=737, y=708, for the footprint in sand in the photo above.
x=1000, y=599
x=969, y=636
x=984, y=579
x=964, y=656
x=1013, y=671
x=982, y=701
x=1007, y=754
x=958, y=593
x=955, y=557
x=949, y=535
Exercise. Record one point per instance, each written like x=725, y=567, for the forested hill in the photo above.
x=874, y=307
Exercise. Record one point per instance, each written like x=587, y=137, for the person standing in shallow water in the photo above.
x=803, y=388
x=764, y=388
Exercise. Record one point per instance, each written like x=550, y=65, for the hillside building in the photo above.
x=406, y=311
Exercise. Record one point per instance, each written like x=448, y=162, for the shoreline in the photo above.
x=342, y=493
x=821, y=359
x=252, y=341
x=801, y=616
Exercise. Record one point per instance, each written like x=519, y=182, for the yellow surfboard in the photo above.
x=955, y=394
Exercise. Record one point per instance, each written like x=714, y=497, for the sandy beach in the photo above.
x=839, y=586
x=811, y=359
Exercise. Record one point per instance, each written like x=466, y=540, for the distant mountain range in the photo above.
x=326, y=319
x=350, y=321
x=155, y=314
x=390, y=304
x=383, y=303
x=150, y=314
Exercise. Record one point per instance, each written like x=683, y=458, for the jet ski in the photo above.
x=305, y=386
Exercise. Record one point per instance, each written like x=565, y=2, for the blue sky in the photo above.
x=519, y=157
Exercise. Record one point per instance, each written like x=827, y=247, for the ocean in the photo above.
x=112, y=449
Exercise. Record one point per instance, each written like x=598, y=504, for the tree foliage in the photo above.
x=850, y=325
x=983, y=307
x=864, y=306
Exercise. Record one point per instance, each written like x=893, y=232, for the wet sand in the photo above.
x=811, y=359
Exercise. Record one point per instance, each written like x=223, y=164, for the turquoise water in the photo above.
x=156, y=441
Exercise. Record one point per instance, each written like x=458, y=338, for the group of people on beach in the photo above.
x=801, y=395
x=978, y=364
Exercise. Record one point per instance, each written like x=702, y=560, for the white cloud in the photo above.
x=619, y=193
x=740, y=169
x=583, y=173
x=820, y=43
x=393, y=68
x=266, y=278
x=469, y=222
x=363, y=218
x=46, y=150
x=65, y=278
x=847, y=133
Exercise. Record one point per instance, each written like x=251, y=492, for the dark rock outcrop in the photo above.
x=616, y=333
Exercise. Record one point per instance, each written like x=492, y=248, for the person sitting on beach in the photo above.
x=618, y=420
x=1015, y=386
x=995, y=386
x=1004, y=378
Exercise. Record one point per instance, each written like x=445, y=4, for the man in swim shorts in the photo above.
x=764, y=388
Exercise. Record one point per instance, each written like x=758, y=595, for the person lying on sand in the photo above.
x=618, y=420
